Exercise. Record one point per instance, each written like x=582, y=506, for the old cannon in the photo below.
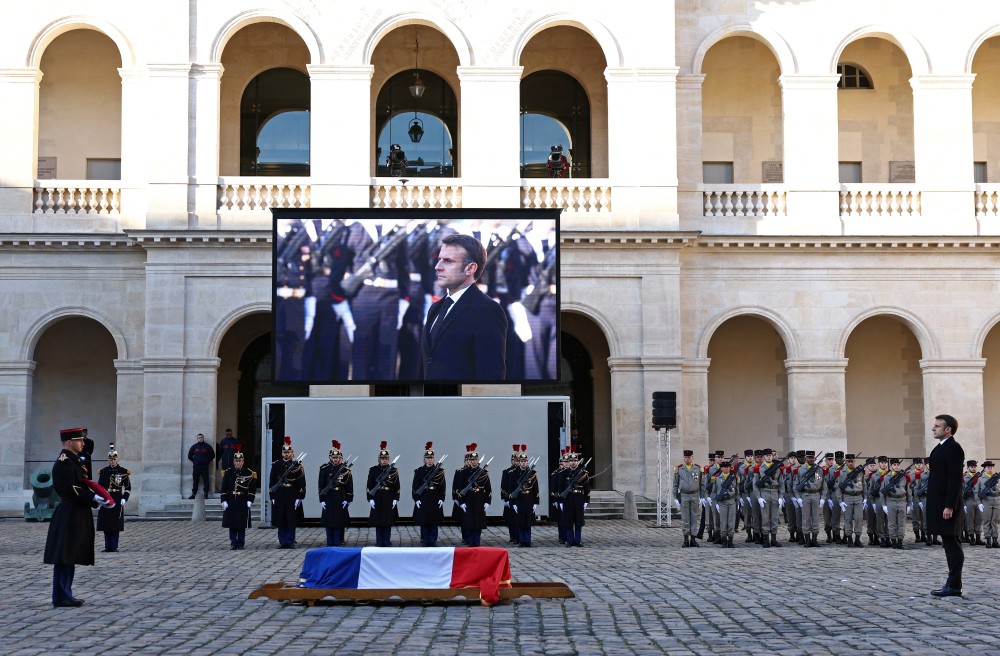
x=44, y=497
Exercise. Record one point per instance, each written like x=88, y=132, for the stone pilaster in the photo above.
x=16, y=377
x=18, y=146
x=817, y=404
x=205, y=176
x=955, y=387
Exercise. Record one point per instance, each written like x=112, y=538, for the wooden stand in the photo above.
x=287, y=592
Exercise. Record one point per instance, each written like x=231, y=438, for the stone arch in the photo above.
x=928, y=346
x=69, y=23
x=37, y=329
x=915, y=53
x=433, y=20
x=295, y=24
x=607, y=42
x=774, y=42
x=977, y=44
x=984, y=331
x=214, y=341
x=604, y=322
x=783, y=328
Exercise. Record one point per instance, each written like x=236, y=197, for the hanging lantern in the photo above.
x=416, y=130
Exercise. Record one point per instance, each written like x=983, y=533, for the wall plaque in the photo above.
x=902, y=172
x=772, y=172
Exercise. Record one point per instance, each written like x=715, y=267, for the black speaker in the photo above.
x=664, y=410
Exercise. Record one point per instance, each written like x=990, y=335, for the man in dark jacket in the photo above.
x=70, y=540
x=382, y=490
x=473, y=492
x=239, y=489
x=287, y=486
x=428, y=493
x=116, y=480
x=336, y=492
x=944, y=500
x=201, y=456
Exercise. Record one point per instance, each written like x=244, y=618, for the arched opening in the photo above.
x=274, y=124
x=986, y=112
x=991, y=392
x=75, y=385
x=555, y=113
x=747, y=387
x=876, y=121
x=244, y=379
x=425, y=128
x=80, y=108
x=564, y=91
x=884, y=390
x=741, y=112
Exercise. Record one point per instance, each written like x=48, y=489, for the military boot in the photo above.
x=693, y=543
x=829, y=536
x=814, y=542
x=979, y=540
x=996, y=545
x=774, y=540
x=885, y=543
x=792, y=535
x=749, y=535
x=857, y=541
x=871, y=540
x=927, y=538
x=687, y=541
x=836, y=536
x=936, y=540
x=764, y=542
x=899, y=543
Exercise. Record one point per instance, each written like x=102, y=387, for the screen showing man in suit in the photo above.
x=456, y=296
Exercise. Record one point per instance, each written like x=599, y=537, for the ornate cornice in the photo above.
x=63, y=241
x=188, y=238
x=826, y=243
x=631, y=239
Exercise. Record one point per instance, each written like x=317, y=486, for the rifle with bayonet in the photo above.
x=430, y=476
x=288, y=471
x=894, y=481
x=768, y=475
x=376, y=253
x=970, y=486
x=476, y=476
x=990, y=485
x=576, y=478
x=725, y=492
x=524, y=479
x=347, y=464
x=801, y=484
x=851, y=477
x=383, y=476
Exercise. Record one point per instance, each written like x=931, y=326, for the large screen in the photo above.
x=413, y=296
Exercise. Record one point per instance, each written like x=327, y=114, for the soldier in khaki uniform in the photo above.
x=705, y=508
x=792, y=514
x=687, y=495
x=918, y=492
x=724, y=495
x=851, y=492
x=810, y=493
x=874, y=500
x=767, y=483
x=987, y=495
x=895, y=498
x=971, y=516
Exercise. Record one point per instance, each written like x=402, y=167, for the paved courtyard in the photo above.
x=175, y=588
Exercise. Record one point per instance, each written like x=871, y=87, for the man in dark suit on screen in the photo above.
x=465, y=335
x=944, y=500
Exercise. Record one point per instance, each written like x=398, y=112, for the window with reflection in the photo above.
x=425, y=129
x=555, y=112
x=274, y=124
x=853, y=76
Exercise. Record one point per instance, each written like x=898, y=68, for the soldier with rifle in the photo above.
x=542, y=308
x=293, y=280
x=555, y=514
x=428, y=493
x=723, y=497
x=329, y=323
x=871, y=519
x=688, y=495
x=850, y=485
x=456, y=512
x=793, y=516
x=287, y=488
x=473, y=492
x=574, y=494
x=336, y=492
x=895, y=499
x=524, y=497
x=507, y=484
x=239, y=489
x=809, y=489
x=972, y=518
x=744, y=485
x=116, y=480
x=831, y=507
x=382, y=491
x=767, y=485
x=874, y=486
x=987, y=494
x=702, y=500
x=919, y=494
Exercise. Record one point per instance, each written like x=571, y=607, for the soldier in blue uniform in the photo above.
x=524, y=498
x=506, y=486
x=287, y=485
x=383, y=495
x=239, y=489
x=473, y=492
x=336, y=492
x=574, y=490
x=428, y=492
x=116, y=480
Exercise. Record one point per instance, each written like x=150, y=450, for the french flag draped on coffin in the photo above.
x=383, y=568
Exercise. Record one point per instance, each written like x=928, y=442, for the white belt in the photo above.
x=382, y=283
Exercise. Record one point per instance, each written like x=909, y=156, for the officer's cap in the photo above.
x=894, y=461
x=838, y=454
x=112, y=453
x=726, y=464
x=800, y=454
x=810, y=453
x=71, y=434
x=918, y=461
x=849, y=456
x=971, y=463
x=869, y=461
x=748, y=452
x=335, y=451
x=287, y=446
x=688, y=453
x=767, y=452
x=988, y=463
x=883, y=459
x=758, y=452
x=383, y=449
x=711, y=455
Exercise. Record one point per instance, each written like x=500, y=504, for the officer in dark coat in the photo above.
x=506, y=486
x=70, y=540
x=473, y=492
x=555, y=502
x=944, y=500
x=383, y=495
x=87, y=455
x=336, y=492
x=116, y=480
x=428, y=497
x=524, y=498
x=575, y=485
x=456, y=510
x=239, y=489
x=287, y=485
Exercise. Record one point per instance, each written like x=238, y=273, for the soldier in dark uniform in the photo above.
x=428, y=493
x=554, y=501
x=239, y=489
x=524, y=498
x=574, y=490
x=542, y=306
x=294, y=284
x=473, y=492
x=224, y=454
x=87, y=455
x=70, y=540
x=115, y=479
x=336, y=492
x=287, y=485
x=506, y=486
x=456, y=511
x=383, y=496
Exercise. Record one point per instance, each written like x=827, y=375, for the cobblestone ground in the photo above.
x=175, y=588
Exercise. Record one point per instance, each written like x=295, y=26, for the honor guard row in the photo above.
x=878, y=496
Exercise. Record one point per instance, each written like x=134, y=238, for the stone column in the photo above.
x=136, y=151
x=167, y=143
x=205, y=175
x=631, y=436
x=165, y=471
x=18, y=147
x=657, y=194
x=690, y=203
x=955, y=387
x=942, y=150
x=694, y=409
x=624, y=133
x=200, y=392
x=817, y=404
x=128, y=408
x=341, y=148
x=490, y=136
x=16, y=378
x=810, y=128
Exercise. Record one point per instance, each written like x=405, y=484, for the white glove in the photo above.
x=717, y=508
x=506, y=504
x=98, y=499
x=403, y=306
x=225, y=506
x=323, y=504
x=885, y=509
x=781, y=502
x=418, y=503
x=829, y=502
x=519, y=316
x=515, y=508
x=534, y=508
x=343, y=504
x=909, y=508
x=585, y=506
x=762, y=502
x=249, y=504
x=462, y=506
x=440, y=504
x=966, y=509
x=343, y=311
x=486, y=507
x=372, y=502
x=394, y=502
x=122, y=502
x=677, y=502
x=981, y=507
x=310, y=310
x=298, y=502
x=843, y=506
x=560, y=506
x=921, y=504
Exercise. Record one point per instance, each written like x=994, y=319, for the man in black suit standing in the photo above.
x=944, y=500
x=466, y=331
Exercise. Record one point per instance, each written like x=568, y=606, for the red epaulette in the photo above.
x=836, y=474
x=908, y=479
